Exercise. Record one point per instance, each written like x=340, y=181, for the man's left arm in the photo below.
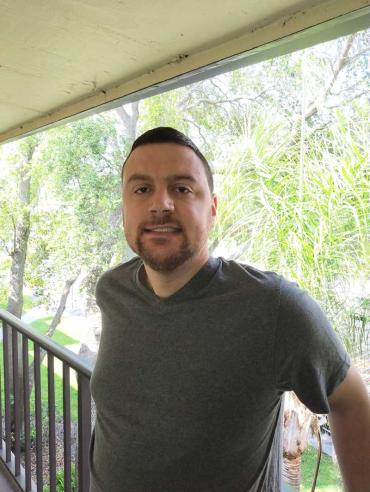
x=349, y=419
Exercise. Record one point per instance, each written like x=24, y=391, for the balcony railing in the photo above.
x=25, y=432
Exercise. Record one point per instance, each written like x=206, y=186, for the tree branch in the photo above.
x=341, y=63
x=8, y=252
x=199, y=130
x=346, y=101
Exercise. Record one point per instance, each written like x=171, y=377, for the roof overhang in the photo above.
x=67, y=59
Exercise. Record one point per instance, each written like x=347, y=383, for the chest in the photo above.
x=179, y=359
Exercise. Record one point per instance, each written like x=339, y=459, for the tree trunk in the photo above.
x=292, y=472
x=53, y=325
x=21, y=234
x=129, y=121
x=297, y=423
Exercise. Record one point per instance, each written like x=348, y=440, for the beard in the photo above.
x=164, y=263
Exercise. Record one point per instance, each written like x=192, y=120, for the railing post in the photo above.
x=84, y=432
x=26, y=409
x=67, y=427
x=16, y=404
x=7, y=394
x=51, y=407
x=1, y=403
x=38, y=412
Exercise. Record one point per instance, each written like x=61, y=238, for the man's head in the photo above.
x=168, y=204
x=166, y=134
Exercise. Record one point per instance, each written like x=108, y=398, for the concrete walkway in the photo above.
x=7, y=483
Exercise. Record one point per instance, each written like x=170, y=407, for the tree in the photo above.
x=299, y=422
x=21, y=225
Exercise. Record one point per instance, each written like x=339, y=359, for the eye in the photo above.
x=141, y=190
x=182, y=189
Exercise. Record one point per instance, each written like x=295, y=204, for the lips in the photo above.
x=162, y=228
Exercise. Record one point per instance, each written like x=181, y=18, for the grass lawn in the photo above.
x=42, y=326
x=27, y=303
x=328, y=479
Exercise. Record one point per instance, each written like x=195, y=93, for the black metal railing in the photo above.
x=28, y=424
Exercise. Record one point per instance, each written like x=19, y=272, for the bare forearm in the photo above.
x=351, y=436
x=350, y=425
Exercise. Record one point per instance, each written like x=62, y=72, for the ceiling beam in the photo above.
x=329, y=20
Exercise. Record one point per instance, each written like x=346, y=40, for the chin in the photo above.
x=166, y=263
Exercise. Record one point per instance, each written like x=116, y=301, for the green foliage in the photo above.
x=60, y=481
x=76, y=175
x=3, y=297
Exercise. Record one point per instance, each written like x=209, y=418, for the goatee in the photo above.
x=166, y=263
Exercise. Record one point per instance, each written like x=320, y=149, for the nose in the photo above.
x=161, y=202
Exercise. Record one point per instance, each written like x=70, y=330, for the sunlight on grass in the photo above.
x=329, y=477
x=42, y=325
x=27, y=303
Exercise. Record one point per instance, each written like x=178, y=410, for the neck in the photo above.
x=164, y=284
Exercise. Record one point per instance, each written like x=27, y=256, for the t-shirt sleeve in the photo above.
x=309, y=358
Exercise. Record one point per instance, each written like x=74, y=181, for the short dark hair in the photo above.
x=166, y=134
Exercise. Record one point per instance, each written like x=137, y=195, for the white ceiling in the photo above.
x=59, y=58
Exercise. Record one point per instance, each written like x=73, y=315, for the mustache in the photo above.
x=160, y=221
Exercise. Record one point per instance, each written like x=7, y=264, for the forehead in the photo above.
x=162, y=159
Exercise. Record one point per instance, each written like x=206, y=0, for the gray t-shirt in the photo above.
x=188, y=389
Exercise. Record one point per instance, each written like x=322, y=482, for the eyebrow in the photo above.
x=170, y=178
x=138, y=177
x=181, y=177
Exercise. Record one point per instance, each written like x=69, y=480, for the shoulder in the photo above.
x=300, y=310
x=295, y=309
x=243, y=273
x=246, y=287
x=304, y=331
x=292, y=299
x=117, y=277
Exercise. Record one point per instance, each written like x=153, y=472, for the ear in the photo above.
x=214, y=205
x=122, y=204
x=122, y=212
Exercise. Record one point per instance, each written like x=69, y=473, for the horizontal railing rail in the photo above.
x=25, y=433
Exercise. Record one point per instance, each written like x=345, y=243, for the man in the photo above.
x=196, y=352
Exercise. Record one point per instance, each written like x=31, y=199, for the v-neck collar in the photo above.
x=191, y=288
